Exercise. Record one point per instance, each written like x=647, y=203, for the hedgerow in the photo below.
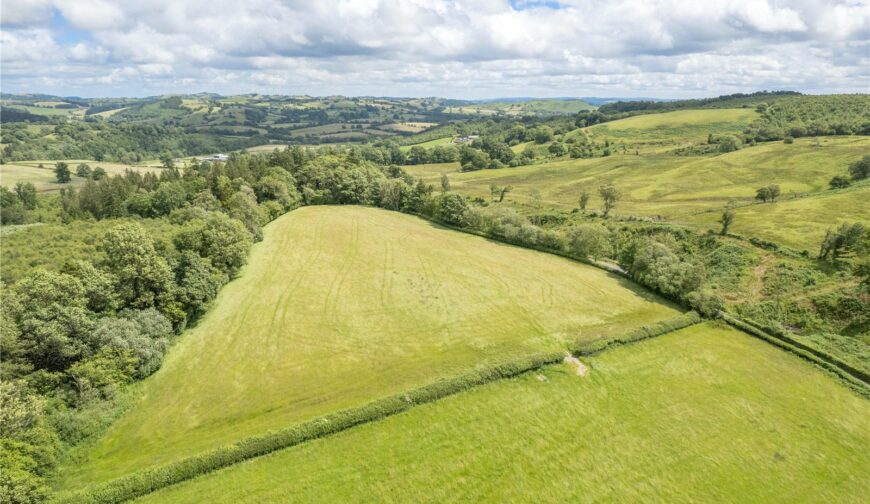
x=641, y=333
x=855, y=378
x=149, y=480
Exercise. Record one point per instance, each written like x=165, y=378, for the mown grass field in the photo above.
x=409, y=127
x=705, y=414
x=343, y=305
x=44, y=178
x=678, y=187
x=428, y=144
x=266, y=148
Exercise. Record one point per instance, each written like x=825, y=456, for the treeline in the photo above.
x=11, y=114
x=491, y=147
x=811, y=116
x=108, y=141
x=72, y=339
x=724, y=101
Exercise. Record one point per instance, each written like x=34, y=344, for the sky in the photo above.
x=450, y=48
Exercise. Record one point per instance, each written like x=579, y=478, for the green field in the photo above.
x=429, y=144
x=672, y=128
x=554, y=106
x=50, y=111
x=678, y=187
x=705, y=414
x=44, y=178
x=343, y=305
x=798, y=223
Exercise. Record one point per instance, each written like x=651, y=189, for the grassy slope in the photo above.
x=44, y=178
x=672, y=128
x=705, y=414
x=429, y=144
x=342, y=305
x=676, y=187
x=798, y=223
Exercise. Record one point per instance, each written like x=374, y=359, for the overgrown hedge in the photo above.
x=494, y=237
x=149, y=480
x=665, y=326
x=856, y=378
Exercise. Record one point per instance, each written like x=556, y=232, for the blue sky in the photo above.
x=460, y=49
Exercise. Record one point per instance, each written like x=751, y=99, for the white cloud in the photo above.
x=30, y=45
x=19, y=12
x=446, y=47
x=91, y=14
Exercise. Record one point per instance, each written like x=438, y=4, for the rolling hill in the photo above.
x=686, y=189
x=343, y=305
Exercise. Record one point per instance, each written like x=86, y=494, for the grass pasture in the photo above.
x=798, y=223
x=259, y=149
x=45, y=180
x=50, y=111
x=705, y=414
x=409, y=127
x=428, y=144
x=681, y=187
x=651, y=132
x=343, y=305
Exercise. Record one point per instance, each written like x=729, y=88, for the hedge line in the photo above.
x=841, y=369
x=665, y=326
x=149, y=480
x=782, y=340
x=152, y=479
x=780, y=334
x=494, y=237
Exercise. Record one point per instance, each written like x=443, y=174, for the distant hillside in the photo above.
x=519, y=106
x=724, y=101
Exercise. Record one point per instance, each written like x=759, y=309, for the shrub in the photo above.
x=839, y=182
x=451, y=209
x=705, y=302
x=589, y=240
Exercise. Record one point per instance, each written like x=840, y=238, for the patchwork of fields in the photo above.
x=343, y=305
x=705, y=414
